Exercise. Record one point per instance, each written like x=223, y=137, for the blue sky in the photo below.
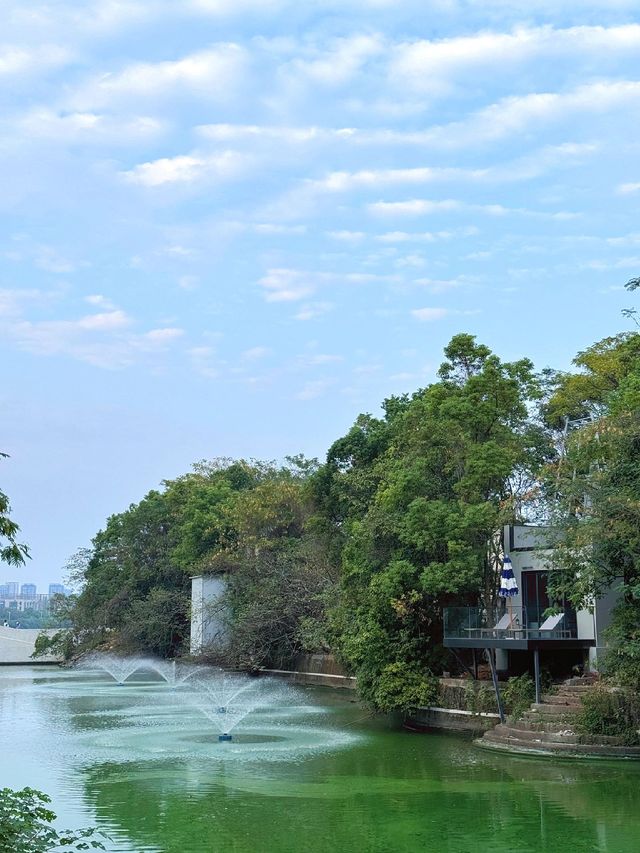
x=229, y=226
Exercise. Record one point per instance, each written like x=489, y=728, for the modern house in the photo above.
x=530, y=624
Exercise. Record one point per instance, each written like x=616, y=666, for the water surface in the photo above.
x=143, y=764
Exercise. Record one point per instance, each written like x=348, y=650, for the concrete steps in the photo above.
x=547, y=728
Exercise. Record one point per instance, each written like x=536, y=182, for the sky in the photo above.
x=227, y=227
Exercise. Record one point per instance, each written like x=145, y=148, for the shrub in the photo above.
x=479, y=697
x=518, y=694
x=612, y=713
x=622, y=659
x=401, y=687
x=25, y=825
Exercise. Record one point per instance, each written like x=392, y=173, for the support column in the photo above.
x=536, y=670
x=494, y=678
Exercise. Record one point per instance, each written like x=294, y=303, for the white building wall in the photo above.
x=525, y=546
x=207, y=620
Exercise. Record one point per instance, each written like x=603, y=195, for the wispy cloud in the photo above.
x=435, y=67
x=429, y=315
x=187, y=169
x=314, y=389
x=211, y=74
x=427, y=207
x=627, y=189
x=105, y=338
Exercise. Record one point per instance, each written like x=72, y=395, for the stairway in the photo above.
x=548, y=728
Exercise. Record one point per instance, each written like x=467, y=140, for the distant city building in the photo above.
x=4, y=590
x=28, y=590
x=13, y=588
x=57, y=589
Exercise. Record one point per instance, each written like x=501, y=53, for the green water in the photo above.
x=145, y=766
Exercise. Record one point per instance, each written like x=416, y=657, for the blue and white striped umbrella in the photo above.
x=508, y=583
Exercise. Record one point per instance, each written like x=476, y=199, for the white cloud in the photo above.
x=211, y=74
x=437, y=66
x=314, y=389
x=320, y=359
x=292, y=285
x=278, y=229
x=100, y=301
x=86, y=127
x=436, y=285
x=338, y=64
x=414, y=207
x=13, y=301
x=626, y=189
x=50, y=260
x=347, y=236
x=425, y=236
x=313, y=310
x=186, y=169
x=203, y=361
x=255, y=353
x=17, y=60
x=428, y=315
x=104, y=339
x=426, y=207
x=287, y=285
x=518, y=113
x=188, y=282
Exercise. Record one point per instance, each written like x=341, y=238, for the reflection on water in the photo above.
x=321, y=776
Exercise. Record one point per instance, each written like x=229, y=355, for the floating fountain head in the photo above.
x=227, y=699
x=119, y=668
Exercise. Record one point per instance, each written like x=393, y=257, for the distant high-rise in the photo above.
x=28, y=590
x=4, y=590
x=56, y=589
x=13, y=588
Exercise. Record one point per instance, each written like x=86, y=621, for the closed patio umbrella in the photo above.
x=508, y=584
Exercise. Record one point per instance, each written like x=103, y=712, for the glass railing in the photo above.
x=525, y=623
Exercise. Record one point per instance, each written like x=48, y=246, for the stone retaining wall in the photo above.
x=18, y=644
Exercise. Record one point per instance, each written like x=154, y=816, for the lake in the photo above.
x=316, y=773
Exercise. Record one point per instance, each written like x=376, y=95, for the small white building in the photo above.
x=208, y=628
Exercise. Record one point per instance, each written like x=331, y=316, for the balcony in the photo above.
x=515, y=628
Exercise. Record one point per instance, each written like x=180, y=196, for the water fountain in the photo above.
x=228, y=698
x=225, y=698
x=119, y=668
x=173, y=672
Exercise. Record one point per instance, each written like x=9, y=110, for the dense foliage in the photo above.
x=612, y=713
x=416, y=502
x=595, y=493
x=360, y=554
x=26, y=825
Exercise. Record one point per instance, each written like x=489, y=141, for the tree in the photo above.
x=595, y=495
x=420, y=499
x=25, y=825
x=11, y=551
x=279, y=576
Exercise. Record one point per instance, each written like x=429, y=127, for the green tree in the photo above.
x=11, y=551
x=594, y=490
x=420, y=500
x=25, y=825
x=280, y=579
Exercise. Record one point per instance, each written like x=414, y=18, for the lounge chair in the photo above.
x=551, y=623
x=508, y=622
